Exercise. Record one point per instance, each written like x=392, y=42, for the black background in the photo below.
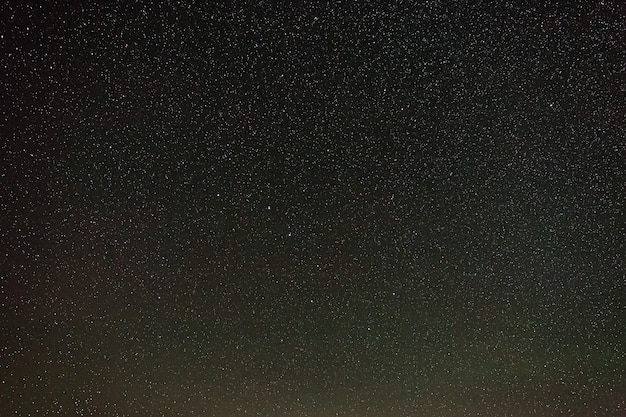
x=313, y=209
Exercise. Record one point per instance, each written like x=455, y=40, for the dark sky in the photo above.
x=313, y=209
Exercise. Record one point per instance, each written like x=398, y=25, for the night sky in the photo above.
x=315, y=209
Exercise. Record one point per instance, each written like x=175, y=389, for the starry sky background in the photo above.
x=290, y=208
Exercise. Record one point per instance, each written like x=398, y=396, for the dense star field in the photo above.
x=316, y=209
